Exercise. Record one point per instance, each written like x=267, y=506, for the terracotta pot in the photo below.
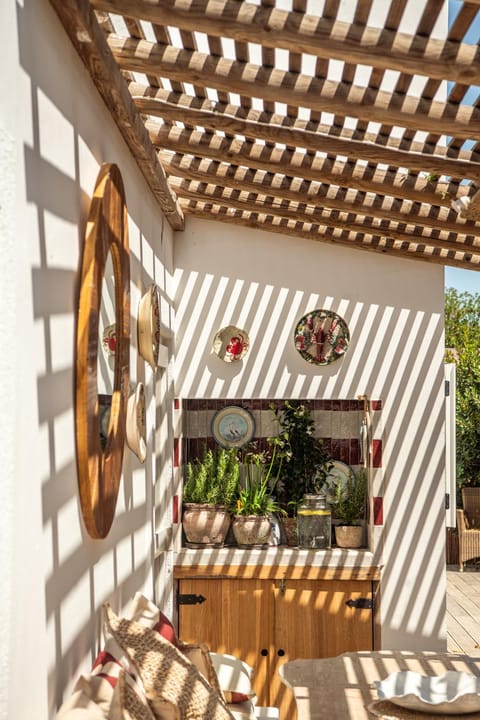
x=251, y=530
x=205, y=525
x=290, y=530
x=349, y=536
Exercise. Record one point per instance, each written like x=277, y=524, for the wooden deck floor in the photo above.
x=463, y=610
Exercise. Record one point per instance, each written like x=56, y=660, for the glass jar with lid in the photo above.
x=314, y=522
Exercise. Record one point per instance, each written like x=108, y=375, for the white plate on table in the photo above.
x=454, y=693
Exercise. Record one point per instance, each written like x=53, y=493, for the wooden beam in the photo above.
x=292, y=164
x=81, y=26
x=317, y=217
x=295, y=89
x=312, y=194
x=322, y=37
x=146, y=93
x=312, y=141
x=268, y=223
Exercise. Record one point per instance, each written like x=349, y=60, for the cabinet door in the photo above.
x=236, y=618
x=312, y=619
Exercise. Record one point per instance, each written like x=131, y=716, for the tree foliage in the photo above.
x=462, y=340
x=462, y=319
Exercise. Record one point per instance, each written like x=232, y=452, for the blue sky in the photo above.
x=462, y=280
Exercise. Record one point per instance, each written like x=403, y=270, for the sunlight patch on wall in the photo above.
x=279, y=335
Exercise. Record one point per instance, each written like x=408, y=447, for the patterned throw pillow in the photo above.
x=128, y=705
x=90, y=700
x=166, y=673
x=145, y=612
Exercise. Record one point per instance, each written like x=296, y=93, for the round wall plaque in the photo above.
x=233, y=426
x=321, y=337
x=231, y=343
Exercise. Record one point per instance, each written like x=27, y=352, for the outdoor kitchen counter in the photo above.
x=277, y=561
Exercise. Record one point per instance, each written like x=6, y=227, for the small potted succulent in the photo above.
x=348, y=503
x=210, y=486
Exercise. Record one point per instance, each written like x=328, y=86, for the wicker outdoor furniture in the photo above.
x=468, y=524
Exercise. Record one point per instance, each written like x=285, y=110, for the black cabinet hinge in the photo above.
x=360, y=603
x=190, y=599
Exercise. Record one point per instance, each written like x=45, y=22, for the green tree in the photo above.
x=462, y=340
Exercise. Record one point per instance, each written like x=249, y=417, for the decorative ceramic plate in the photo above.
x=454, y=693
x=233, y=426
x=109, y=339
x=148, y=327
x=339, y=474
x=321, y=337
x=230, y=343
x=136, y=427
x=386, y=710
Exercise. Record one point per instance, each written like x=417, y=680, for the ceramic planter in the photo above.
x=251, y=530
x=349, y=536
x=205, y=525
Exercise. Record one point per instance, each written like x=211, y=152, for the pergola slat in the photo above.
x=290, y=164
x=275, y=28
x=82, y=27
x=314, y=141
x=295, y=89
x=352, y=123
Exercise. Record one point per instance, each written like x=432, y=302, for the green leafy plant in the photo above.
x=348, y=501
x=213, y=478
x=305, y=463
x=462, y=339
x=255, y=494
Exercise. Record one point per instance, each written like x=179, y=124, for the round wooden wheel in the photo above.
x=99, y=468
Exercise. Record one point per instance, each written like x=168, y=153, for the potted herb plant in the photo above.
x=255, y=503
x=210, y=486
x=348, y=502
x=305, y=465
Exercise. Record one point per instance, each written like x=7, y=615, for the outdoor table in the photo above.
x=342, y=687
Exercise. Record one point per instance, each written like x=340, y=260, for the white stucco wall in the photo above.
x=54, y=133
x=264, y=283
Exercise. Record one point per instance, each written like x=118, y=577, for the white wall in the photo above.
x=264, y=283
x=54, y=134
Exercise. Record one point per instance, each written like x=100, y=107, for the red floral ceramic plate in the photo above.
x=321, y=337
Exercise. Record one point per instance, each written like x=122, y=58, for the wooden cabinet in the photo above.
x=271, y=616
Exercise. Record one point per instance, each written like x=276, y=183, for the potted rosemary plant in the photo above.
x=210, y=486
x=348, y=503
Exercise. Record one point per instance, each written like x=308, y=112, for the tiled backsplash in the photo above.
x=337, y=422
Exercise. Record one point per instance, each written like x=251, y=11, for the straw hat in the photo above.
x=136, y=429
x=148, y=326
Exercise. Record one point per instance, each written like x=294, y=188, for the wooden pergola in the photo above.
x=352, y=123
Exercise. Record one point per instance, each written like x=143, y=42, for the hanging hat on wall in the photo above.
x=148, y=327
x=136, y=426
